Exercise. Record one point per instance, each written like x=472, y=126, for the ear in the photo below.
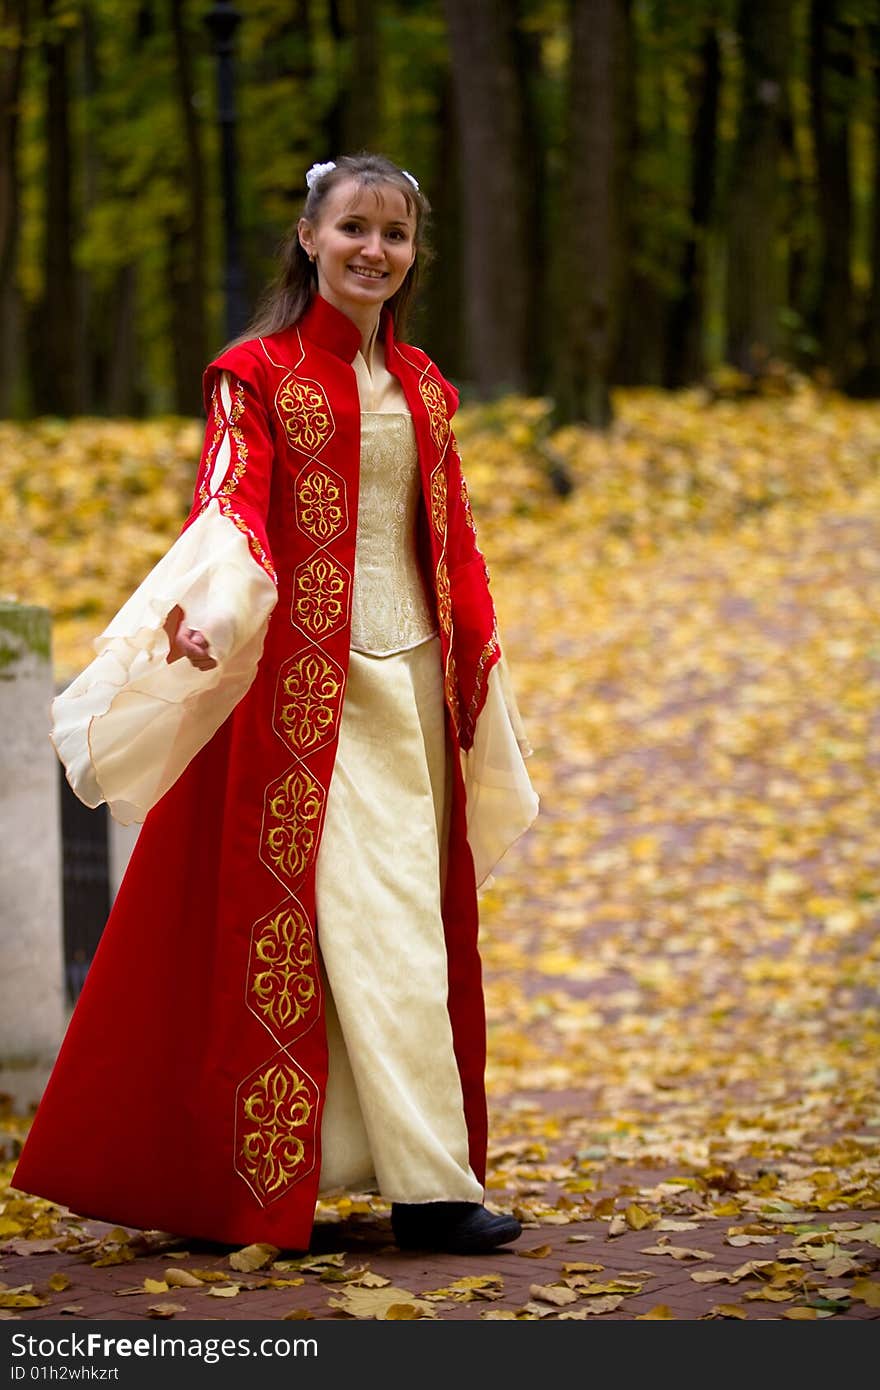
x=306, y=235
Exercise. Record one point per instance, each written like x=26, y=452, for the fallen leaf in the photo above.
x=677, y=1252
x=867, y=1291
x=593, y=1308
x=252, y=1257
x=183, y=1279
x=165, y=1310
x=374, y=1303
x=659, y=1311
x=538, y=1252
x=557, y=1294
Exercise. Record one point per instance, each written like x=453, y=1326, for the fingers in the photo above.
x=195, y=647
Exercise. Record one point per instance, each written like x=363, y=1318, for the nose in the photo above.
x=371, y=244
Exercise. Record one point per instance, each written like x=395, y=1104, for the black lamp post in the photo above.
x=222, y=20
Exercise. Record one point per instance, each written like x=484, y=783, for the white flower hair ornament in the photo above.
x=413, y=181
x=317, y=172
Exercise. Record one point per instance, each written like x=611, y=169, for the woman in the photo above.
x=306, y=704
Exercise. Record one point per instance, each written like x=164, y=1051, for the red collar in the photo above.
x=327, y=327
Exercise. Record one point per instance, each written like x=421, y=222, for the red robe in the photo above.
x=188, y=1092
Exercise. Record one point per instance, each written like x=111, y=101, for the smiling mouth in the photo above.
x=366, y=274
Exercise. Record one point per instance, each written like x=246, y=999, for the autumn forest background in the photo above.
x=656, y=280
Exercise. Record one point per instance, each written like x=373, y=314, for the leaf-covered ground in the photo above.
x=682, y=955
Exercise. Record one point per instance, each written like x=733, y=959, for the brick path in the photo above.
x=832, y=1255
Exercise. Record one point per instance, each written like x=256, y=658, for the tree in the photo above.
x=755, y=206
x=15, y=19
x=489, y=122
x=587, y=288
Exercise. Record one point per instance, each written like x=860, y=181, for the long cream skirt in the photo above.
x=393, y=1117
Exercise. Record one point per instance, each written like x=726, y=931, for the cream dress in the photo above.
x=393, y=1114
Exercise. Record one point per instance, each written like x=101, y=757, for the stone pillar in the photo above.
x=32, y=1008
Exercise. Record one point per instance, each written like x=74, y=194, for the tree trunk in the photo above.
x=495, y=236
x=831, y=90
x=588, y=289
x=438, y=318
x=188, y=243
x=14, y=19
x=533, y=166
x=754, y=258
x=363, y=108
x=867, y=383
x=685, y=361
x=54, y=340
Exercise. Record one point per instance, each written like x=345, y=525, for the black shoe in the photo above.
x=459, y=1228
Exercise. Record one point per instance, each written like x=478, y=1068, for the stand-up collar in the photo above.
x=324, y=324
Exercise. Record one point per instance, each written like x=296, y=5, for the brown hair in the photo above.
x=288, y=296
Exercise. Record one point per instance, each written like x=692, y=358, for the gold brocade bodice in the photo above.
x=390, y=610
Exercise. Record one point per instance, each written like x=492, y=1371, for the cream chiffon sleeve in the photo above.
x=501, y=801
x=129, y=724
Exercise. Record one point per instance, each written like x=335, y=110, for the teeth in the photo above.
x=369, y=274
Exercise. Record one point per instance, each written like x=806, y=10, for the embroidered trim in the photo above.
x=272, y=1106
x=283, y=984
x=293, y=808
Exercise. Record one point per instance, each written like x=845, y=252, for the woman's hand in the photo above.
x=186, y=641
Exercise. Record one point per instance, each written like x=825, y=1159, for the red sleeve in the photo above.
x=235, y=470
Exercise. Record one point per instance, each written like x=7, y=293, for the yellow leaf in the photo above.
x=253, y=1257
x=867, y=1291
x=727, y=1310
x=224, y=1291
x=297, y=1315
x=637, y=1218
x=155, y=1286
x=557, y=1294
x=660, y=1310
x=374, y=1303
x=592, y=1308
x=182, y=1278
x=58, y=1281
x=165, y=1310
x=800, y=1314
x=537, y=1252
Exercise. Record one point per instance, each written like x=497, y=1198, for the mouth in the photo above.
x=365, y=273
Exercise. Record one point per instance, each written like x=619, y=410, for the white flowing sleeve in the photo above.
x=129, y=724
x=501, y=802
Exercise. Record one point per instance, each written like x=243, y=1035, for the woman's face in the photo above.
x=363, y=243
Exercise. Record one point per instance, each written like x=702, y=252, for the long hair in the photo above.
x=288, y=296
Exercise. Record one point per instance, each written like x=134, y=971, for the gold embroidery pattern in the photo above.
x=305, y=415
x=273, y=1105
x=450, y=690
x=291, y=821
x=320, y=505
x=219, y=426
x=438, y=501
x=241, y=450
x=486, y=655
x=283, y=988
x=320, y=596
x=444, y=597
x=466, y=503
x=312, y=685
x=436, y=402
x=254, y=541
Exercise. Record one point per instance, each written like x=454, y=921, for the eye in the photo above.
x=397, y=235
x=351, y=226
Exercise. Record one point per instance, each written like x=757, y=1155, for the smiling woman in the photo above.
x=307, y=705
